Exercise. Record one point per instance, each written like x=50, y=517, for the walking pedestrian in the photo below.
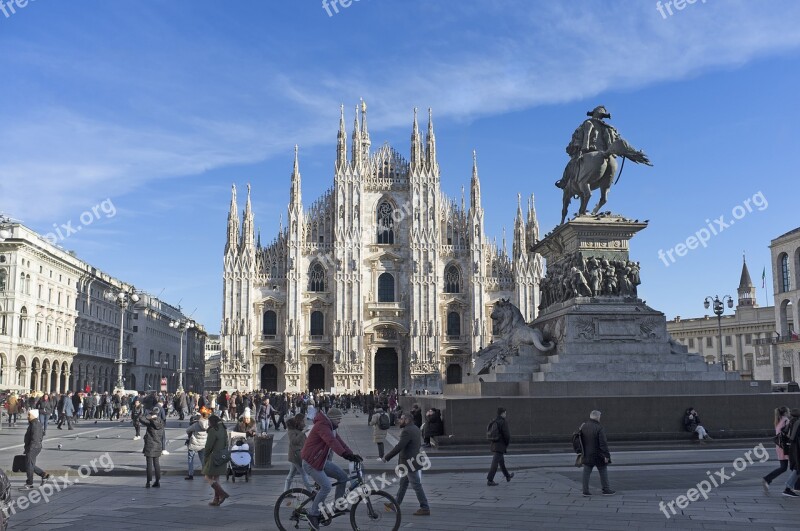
x=380, y=427
x=794, y=454
x=66, y=411
x=297, y=438
x=152, y=445
x=595, y=453
x=196, y=443
x=408, y=448
x=213, y=467
x=136, y=415
x=501, y=438
x=33, y=446
x=781, y=421
x=45, y=407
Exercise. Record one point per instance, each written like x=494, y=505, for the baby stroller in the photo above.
x=240, y=463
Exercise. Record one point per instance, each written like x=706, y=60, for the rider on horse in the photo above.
x=592, y=135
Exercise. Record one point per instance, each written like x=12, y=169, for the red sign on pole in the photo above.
x=163, y=384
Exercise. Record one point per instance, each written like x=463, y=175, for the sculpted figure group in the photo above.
x=591, y=277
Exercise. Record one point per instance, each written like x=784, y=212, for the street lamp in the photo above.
x=123, y=298
x=183, y=325
x=719, y=309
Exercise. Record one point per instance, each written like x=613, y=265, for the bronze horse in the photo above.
x=595, y=170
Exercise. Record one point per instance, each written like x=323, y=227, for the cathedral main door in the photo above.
x=269, y=377
x=386, y=365
x=316, y=377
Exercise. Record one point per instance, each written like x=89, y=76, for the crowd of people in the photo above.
x=310, y=451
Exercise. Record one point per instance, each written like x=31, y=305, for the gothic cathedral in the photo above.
x=383, y=282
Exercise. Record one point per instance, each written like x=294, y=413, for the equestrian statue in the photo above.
x=593, y=151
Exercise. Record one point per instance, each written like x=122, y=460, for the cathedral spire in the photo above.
x=232, y=243
x=463, y=205
x=533, y=222
x=416, y=144
x=430, y=148
x=355, y=152
x=365, y=142
x=341, y=143
x=518, y=247
x=247, y=224
x=258, y=241
x=475, y=185
x=295, y=196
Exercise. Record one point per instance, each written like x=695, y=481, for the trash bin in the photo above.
x=793, y=387
x=263, y=451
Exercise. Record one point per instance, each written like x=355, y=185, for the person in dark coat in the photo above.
x=33, y=446
x=433, y=425
x=45, y=407
x=499, y=448
x=595, y=453
x=216, y=441
x=152, y=444
x=408, y=448
x=416, y=414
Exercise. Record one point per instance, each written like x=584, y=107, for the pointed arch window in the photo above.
x=273, y=270
x=453, y=324
x=317, y=323
x=452, y=280
x=784, y=265
x=385, y=223
x=270, y=323
x=386, y=288
x=316, y=278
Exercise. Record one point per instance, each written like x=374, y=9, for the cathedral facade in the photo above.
x=383, y=282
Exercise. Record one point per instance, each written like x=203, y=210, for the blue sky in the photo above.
x=159, y=106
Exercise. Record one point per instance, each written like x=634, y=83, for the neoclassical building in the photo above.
x=59, y=331
x=382, y=282
x=742, y=330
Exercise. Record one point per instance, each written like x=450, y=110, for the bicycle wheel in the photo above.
x=377, y=510
x=291, y=507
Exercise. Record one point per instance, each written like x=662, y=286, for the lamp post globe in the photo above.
x=719, y=309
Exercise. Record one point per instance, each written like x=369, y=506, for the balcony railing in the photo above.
x=776, y=339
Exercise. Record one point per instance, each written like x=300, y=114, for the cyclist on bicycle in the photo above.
x=317, y=456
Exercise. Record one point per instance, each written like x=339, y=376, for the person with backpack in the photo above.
x=794, y=454
x=781, y=422
x=500, y=436
x=380, y=427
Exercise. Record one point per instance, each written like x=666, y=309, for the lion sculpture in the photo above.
x=510, y=332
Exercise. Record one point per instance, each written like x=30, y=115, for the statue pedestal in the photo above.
x=603, y=332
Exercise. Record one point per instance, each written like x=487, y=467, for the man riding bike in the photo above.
x=317, y=456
